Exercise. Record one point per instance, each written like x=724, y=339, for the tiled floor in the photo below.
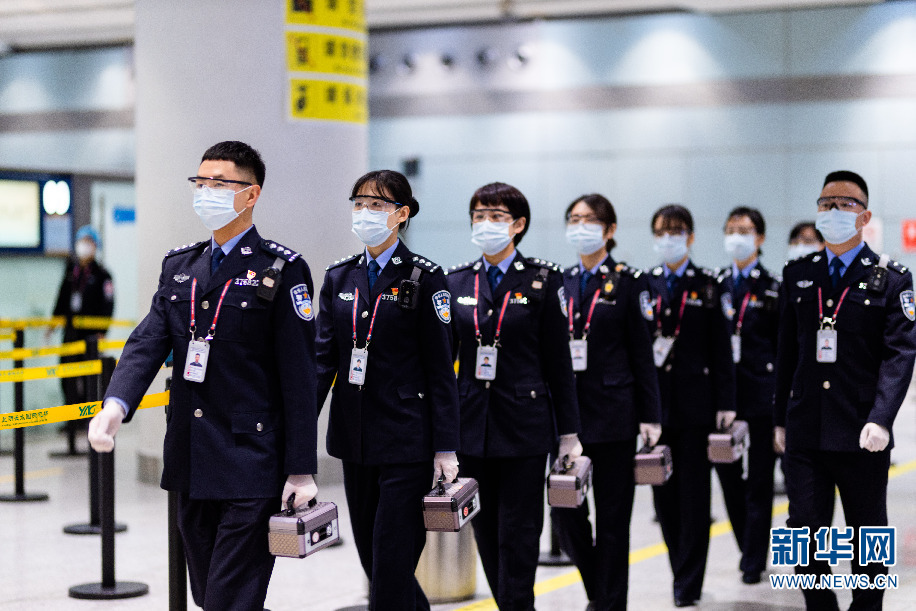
x=38, y=563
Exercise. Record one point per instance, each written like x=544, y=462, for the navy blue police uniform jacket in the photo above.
x=533, y=398
x=619, y=388
x=698, y=377
x=253, y=420
x=94, y=296
x=408, y=407
x=824, y=406
x=756, y=371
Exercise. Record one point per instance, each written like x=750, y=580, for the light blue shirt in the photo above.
x=847, y=257
x=383, y=258
x=502, y=265
x=230, y=243
x=593, y=271
x=746, y=272
x=679, y=272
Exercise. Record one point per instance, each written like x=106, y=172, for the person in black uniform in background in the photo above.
x=86, y=290
x=804, y=239
x=618, y=397
x=394, y=418
x=696, y=378
x=511, y=310
x=834, y=413
x=750, y=302
x=239, y=427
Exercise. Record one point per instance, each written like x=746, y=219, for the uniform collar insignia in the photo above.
x=815, y=258
x=866, y=261
x=755, y=273
x=396, y=260
x=603, y=269
x=519, y=266
x=689, y=272
x=245, y=251
x=179, y=278
x=477, y=265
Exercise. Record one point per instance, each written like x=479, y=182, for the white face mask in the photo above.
x=371, y=227
x=801, y=250
x=490, y=237
x=740, y=247
x=837, y=226
x=84, y=250
x=215, y=207
x=586, y=238
x=671, y=248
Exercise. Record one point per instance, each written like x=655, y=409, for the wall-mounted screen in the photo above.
x=27, y=201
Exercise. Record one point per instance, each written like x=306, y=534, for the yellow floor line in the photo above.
x=8, y=479
x=716, y=530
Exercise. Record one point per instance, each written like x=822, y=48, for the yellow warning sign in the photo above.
x=328, y=100
x=347, y=14
x=65, y=370
x=325, y=53
x=62, y=413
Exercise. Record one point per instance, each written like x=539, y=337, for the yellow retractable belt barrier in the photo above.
x=62, y=413
x=79, y=322
x=64, y=370
x=7, y=337
x=68, y=349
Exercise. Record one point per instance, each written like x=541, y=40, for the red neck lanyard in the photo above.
x=830, y=320
x=502, y=312
x=219, y=306
x=588, y=320
x=680, y=314
x=371, y=322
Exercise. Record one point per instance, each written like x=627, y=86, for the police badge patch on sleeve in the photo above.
x=562, y=295
x=908, y=304
x=728, y=308
x=442, y=300
x=645, y=306
x=302, y=303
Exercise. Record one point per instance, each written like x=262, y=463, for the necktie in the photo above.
x=739, y=283
x=835, y=274
x=671, y=281
x=494, y=275
x=217, y=256
x=374, y=268
x=583, y=282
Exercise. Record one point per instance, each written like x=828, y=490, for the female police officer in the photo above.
x=515, y=382
x=696, y=378
x=384, y=333
x=608, y=306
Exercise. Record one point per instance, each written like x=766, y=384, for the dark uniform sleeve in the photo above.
x=106, y=303
x=436, y=348
x=723, y=374
x=62, y=305
x=642, y=363
x=294, y=345
x=327, y=349
x=896, y=369
x=786, y=353
x=556, y=360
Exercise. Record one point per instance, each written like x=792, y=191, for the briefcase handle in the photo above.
x=646, y=449
x=290, y=510
x=562, y=465
x=440, y=485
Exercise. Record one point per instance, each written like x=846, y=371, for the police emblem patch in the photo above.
x=728, y=307
x=442, y=301
x=562, y=295
x=302, y=303
x=645, y=306
x=803, y=284
x=467, y=300
x=345, y=296
x=908, y=304
x=179, y=278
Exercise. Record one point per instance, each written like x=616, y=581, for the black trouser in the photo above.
x=682, y=505
x=386, y=511
x=605, y=561
x=508, y=527
x=750, y=503
x=226, y=546
x=861, y=477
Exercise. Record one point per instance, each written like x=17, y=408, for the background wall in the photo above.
x=709, y=111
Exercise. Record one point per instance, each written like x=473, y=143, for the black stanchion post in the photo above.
x=97, y=385
x=556, y=556
x=109, y=588
x=19, y=438
x=178, y=564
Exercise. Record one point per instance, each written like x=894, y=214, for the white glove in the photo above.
x=650, y=432
x=725, y=418
x=445, y=465
x=570, y=448
x=104, y=425
x=779, y=439
x=303, y=486
x=874, y=437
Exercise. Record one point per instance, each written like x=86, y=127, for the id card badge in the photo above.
x=661, y=347
x=359, y=358
x=76, y=301
x=736, y=348
x=486, y=363
x=195, y=368
x=826, y=346
x=578, y=349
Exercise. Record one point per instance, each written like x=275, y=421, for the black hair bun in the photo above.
x=414, y=206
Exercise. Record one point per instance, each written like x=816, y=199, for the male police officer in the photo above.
x=246, y=420
x=835, y=408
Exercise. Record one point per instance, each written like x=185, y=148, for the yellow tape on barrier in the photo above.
x=7, y=336
x=111, y=344
x=63, y=413
x=79, y=322
x=68, y=349
x=64, y=370
x=99, y=322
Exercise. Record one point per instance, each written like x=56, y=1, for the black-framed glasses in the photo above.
x=575, y=219
x=196, y=182
x=847, y=204
x=494, y=215
x=374, y=203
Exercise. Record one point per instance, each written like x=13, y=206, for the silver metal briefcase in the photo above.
x=568, y=482
x=297, y=533
x=653, y=465
x=451, y=505
x=729, y=445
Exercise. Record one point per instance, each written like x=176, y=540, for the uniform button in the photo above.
x=487, y=385
x=667, y=311
x=830, y=303
x=534, y=395
x=769, y=366
x=826, y=384
x=578, y=314
x=198, y=413
x=798, y=300
x=259, y=426
x=868, y=302
x=706, y=371
x=366, y=314
x=174, y=297
x=419, y=394
x=204, y=305
x=244, y=304
x=668, y=367
x=490, y=312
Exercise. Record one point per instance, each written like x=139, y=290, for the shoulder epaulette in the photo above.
x=458, y=268
x=709, y=273
x=897, y=266
x=279, y=250
x=185, y=248
x=623, y=268
x=657, y=271
x=544, y=263
x=340, y=262
x=808, y=257
x=424, y=264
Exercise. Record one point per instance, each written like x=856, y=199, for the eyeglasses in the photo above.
x=575, y=219
x=847, y=204
x=196, y=182
x=373, y=203
x=494, y=215
x=660, y=233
